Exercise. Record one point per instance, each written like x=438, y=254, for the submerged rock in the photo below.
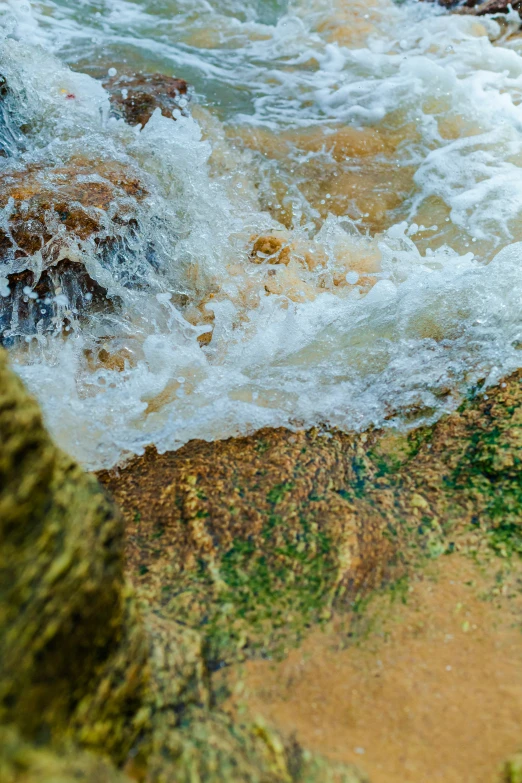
x=82, y=667
x=135, y=98
x=254, y=540
x=49, y=215
x=53, y=213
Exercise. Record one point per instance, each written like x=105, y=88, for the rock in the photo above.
x=67, y=628
x=135, y=98
x=82, y=667
x=51, y=212
x=477, y=8
x=249, y=540
x=22, y=762
x=270, y=248
x=488, y=7
x=236, y=549
x=33, y=300
x=254, y=540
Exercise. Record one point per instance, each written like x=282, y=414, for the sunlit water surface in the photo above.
x=377, y=146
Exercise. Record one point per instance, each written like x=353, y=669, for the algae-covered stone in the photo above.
x=250, y=539
x=253, y=540
x=216, y=750
x=21, y=762
x=82, y=667
x=66, y=636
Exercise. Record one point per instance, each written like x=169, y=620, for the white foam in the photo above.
x=394, y=346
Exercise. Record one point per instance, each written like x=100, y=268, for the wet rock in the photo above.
x=254, y=540
x=48, y=215
x=82, y=667
x=477, y=8
x=32, y=301
x=271, y=249
x=488, y=7
x=135, y=98
x=250, y=539
x=68, y=633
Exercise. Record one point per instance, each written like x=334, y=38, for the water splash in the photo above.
x=332, y=238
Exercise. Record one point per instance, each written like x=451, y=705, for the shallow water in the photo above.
x=332, y=238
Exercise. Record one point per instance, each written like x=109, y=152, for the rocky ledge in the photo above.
x=251, y=541
x=111, y=627
x=95, y=682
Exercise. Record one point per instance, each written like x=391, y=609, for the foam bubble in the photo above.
x=279, y=271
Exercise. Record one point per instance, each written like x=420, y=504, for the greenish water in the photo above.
x=341, y=215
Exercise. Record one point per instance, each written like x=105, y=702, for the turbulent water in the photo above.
x=376, y=150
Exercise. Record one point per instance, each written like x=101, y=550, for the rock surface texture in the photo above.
x=236, y=549
x=253, y=540
x=136, y=97
x=86, y=672
x=54, y=212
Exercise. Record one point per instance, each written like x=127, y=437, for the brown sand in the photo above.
x=427, y=690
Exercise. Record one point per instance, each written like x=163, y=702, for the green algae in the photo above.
x=256, y=599
x=278, y=531
x=513, y=770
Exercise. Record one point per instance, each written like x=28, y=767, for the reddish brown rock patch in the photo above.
x=54, y=210
x=135, y=98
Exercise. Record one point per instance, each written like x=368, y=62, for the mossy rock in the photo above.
x=85, y=669
x=66, y=630
x=22, y=762
x=251, y=541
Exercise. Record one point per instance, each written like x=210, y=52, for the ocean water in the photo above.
x=332, y=238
